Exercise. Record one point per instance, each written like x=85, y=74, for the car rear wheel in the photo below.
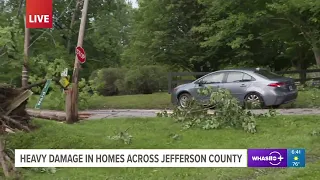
x=184, y=100
x=253, y=100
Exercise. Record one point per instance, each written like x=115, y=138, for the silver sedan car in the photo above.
x=247, y=85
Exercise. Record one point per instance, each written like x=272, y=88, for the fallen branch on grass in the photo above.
x=18, y=124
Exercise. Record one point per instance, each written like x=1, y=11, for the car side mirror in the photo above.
x=200, y=83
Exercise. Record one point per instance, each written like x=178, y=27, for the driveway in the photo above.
x=125, y=113
x=129, y=113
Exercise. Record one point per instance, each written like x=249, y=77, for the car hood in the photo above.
x=183, y=86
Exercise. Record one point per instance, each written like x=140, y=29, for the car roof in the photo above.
x=242, y=69
x=250, y=71
x=245, y=70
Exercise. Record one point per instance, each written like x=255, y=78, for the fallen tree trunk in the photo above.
x=53, y=115
x=46, y=114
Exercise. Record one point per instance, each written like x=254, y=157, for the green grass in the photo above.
x=306, y=99
x=154, y=133
x=140, y=101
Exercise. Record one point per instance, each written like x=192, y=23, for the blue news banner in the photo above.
x=276, y=158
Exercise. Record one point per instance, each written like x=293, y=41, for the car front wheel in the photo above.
x=184, y=99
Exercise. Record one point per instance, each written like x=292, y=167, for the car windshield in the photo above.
x=268, y=74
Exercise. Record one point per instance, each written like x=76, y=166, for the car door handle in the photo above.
x=243, y=85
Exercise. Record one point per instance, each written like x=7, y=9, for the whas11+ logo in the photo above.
x=267, y=158
x=274, y=158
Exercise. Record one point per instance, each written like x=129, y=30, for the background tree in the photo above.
x=181, y=35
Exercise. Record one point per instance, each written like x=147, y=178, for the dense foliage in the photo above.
x=209, y=35
x=228, y=113
x=187, y=35
x=105, y=38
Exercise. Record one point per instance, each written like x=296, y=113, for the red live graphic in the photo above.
x=39, y=13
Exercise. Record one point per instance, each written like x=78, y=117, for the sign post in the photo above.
x=64, y=81
x=43, y=94
x=64, y=73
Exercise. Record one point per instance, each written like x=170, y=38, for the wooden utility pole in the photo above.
x=73, y=93
x=25, y=77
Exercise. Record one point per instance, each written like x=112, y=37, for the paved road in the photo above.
x=126, y=113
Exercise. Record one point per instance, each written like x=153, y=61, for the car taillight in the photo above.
x=276, y=84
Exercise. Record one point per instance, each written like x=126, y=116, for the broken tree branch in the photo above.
x=40, y=83
x=9, y=119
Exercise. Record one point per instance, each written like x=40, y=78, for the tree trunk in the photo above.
x=316, y=52
x=301, y=66
x=25, y=76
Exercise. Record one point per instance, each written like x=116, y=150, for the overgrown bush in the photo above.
x=311, y=89
x=145, y=80
x=227, y=113
x=55, y=98
x=137, y=80
x=312, y=84
x=105, y=80
x=86, y=91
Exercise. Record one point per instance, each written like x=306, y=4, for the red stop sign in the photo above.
x=81, y=54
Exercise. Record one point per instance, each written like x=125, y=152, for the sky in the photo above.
x=134, y=3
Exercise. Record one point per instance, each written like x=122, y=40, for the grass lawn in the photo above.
x=140, y=101
x=306, y=99
x=154, y=133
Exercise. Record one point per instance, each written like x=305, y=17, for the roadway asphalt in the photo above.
x=127, y=113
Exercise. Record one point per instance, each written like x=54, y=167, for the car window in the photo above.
x=238, y=77
x=268, y=74
x=213, y=78
x=247, y=77
x=235, y=77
